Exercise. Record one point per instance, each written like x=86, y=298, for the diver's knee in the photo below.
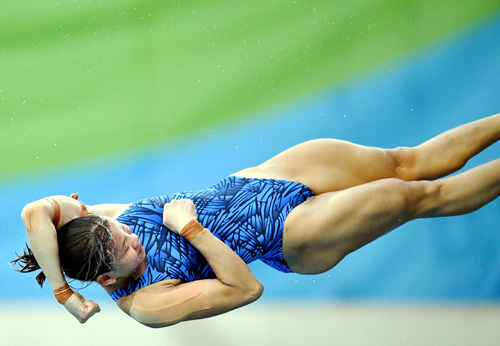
x=407, y=169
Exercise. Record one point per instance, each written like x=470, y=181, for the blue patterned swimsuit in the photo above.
x=245, y=213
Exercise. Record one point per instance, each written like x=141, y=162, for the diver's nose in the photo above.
x=135, y=240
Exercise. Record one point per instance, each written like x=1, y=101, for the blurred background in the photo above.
x=131, y=99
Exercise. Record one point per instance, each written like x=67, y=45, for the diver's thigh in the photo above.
x=320, y=232
x=327, y=165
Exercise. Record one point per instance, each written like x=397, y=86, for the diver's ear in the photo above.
x=106, y=279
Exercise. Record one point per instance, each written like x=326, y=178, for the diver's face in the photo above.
x=128, y=251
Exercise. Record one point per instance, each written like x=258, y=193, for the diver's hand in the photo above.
x=80, y=308
x=178, y=213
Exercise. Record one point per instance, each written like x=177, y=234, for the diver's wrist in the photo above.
x=191, y=230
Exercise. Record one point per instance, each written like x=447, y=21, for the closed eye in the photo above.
x=124, y=245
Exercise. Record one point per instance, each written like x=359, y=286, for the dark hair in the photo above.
x=83, y=250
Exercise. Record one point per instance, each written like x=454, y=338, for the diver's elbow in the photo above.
x=255, y=292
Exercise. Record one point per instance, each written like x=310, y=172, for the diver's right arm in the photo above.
x=165, y=303
x=38, y=219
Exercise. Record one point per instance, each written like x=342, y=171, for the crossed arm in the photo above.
x=163, y=304
x=160, y=304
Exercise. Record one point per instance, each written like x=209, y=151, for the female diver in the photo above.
x=184, y=256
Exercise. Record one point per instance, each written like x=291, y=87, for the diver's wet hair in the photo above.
x=84, y=250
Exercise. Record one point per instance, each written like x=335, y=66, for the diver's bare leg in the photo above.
x=324, y=229
x=450, y=151
x=331, y=165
